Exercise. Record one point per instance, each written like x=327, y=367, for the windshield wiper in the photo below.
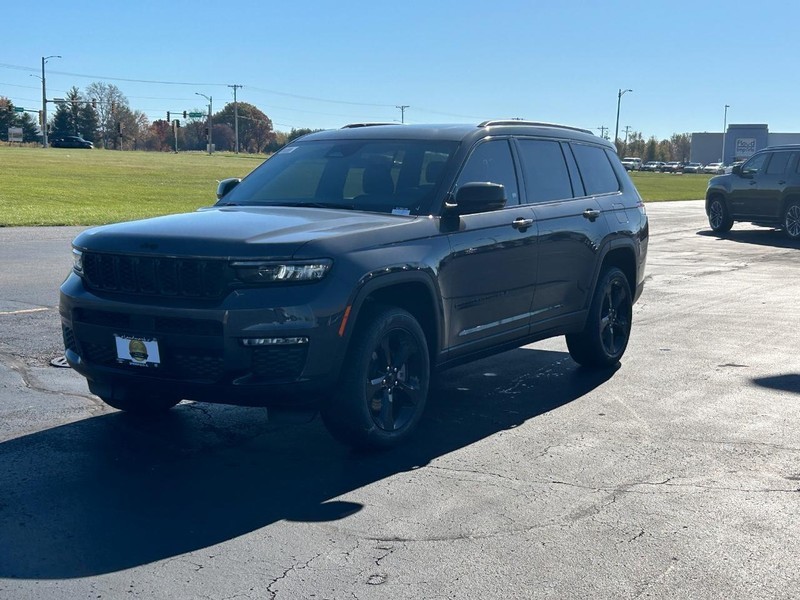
x=315, y=205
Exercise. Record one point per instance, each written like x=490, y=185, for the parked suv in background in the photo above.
x=353, y=264
x=765, y=191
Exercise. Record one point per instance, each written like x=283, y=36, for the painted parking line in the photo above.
x=22, y=312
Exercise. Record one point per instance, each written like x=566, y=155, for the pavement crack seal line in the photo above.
x=31, y=383
x=273, y=593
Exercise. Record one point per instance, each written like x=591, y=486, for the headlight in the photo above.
x=77, y=260
x=255, y=271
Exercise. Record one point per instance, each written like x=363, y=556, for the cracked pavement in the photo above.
x=675, y=476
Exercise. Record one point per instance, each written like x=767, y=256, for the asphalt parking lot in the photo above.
x=675, y=476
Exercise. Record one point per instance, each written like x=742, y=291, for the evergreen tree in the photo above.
x=7, y=117
x=30, y=130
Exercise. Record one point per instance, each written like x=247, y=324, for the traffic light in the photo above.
x=177, y=123
x=94, y=103
x=40, y=118
x=206, y=131
x=119, y=128
x=184, y=114
x=167, y=116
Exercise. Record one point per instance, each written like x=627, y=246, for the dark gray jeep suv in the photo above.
x=765, y=191
x=353, y=264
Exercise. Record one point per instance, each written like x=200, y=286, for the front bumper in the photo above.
x=202, y=355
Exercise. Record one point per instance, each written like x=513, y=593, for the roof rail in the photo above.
x=490, y=123
x=356, y=125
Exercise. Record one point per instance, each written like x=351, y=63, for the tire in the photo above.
x=384, y=383
x=140, y=401
x=791, y=220
x=719, y=218
x=603, y=340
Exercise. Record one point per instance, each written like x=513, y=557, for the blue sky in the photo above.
x=320, y=64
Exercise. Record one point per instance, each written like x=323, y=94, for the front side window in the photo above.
x=755, y=164
x=596, y=170
x=544, y=171
x=392, y=176
x=492, y=162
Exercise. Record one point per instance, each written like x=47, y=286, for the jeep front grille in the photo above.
x=173, y=277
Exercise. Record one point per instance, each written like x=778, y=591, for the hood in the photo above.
x=234, y=231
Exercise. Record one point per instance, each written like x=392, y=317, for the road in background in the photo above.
x=675, y=476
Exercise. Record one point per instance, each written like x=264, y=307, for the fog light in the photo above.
x=287, y=341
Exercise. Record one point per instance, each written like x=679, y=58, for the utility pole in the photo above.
x=625, y=145
x=44, y=102
x=235, y=116
x=603, y=130
x=403, y=108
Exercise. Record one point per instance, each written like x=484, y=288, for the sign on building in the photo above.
x=745, y=147
x=15, y=134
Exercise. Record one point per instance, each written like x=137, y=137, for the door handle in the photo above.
x=521, y=223
x=591, y=214
x=781, y=182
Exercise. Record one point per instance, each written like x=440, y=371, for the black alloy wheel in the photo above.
x=718, y=216
x=608, y=327
x=791, y=220
x=384, y=386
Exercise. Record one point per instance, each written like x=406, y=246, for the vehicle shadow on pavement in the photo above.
x=789, y=382
x=758, y=237
x=114, y=492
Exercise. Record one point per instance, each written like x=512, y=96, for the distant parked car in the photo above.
x=632, y=163
x=653, y=166
x=693, y=167
x=673, y=167
x=714, y=168
x=70, y=141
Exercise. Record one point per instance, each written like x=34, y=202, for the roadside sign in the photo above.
x=15, y=134
x=19, y=109
x=196, y=115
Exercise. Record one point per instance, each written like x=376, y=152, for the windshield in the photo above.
x=390, y=176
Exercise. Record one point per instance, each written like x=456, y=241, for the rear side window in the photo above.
x=596, y=171
x=778, y=163
x=544, y=171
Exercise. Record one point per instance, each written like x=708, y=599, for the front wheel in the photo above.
x=608, y=327
x=384, y=384
x=719, y=217
x=791, y=220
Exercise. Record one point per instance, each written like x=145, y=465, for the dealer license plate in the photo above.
x=137, y=351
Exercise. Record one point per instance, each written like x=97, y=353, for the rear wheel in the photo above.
x=719, y=217
x=608, y=326
x=791, y=220
x=384, y=384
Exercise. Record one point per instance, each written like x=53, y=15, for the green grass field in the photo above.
x=59, y=186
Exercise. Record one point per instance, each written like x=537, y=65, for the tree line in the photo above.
x=102, y=114
x=677, y=147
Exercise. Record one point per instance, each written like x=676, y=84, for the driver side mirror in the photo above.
x=477, y=197
x=226, y=185
x=737, y=170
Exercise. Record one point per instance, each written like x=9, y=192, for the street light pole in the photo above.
x=209, y=119
x=44, y=101
x=724, y=131
x=619, y=101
